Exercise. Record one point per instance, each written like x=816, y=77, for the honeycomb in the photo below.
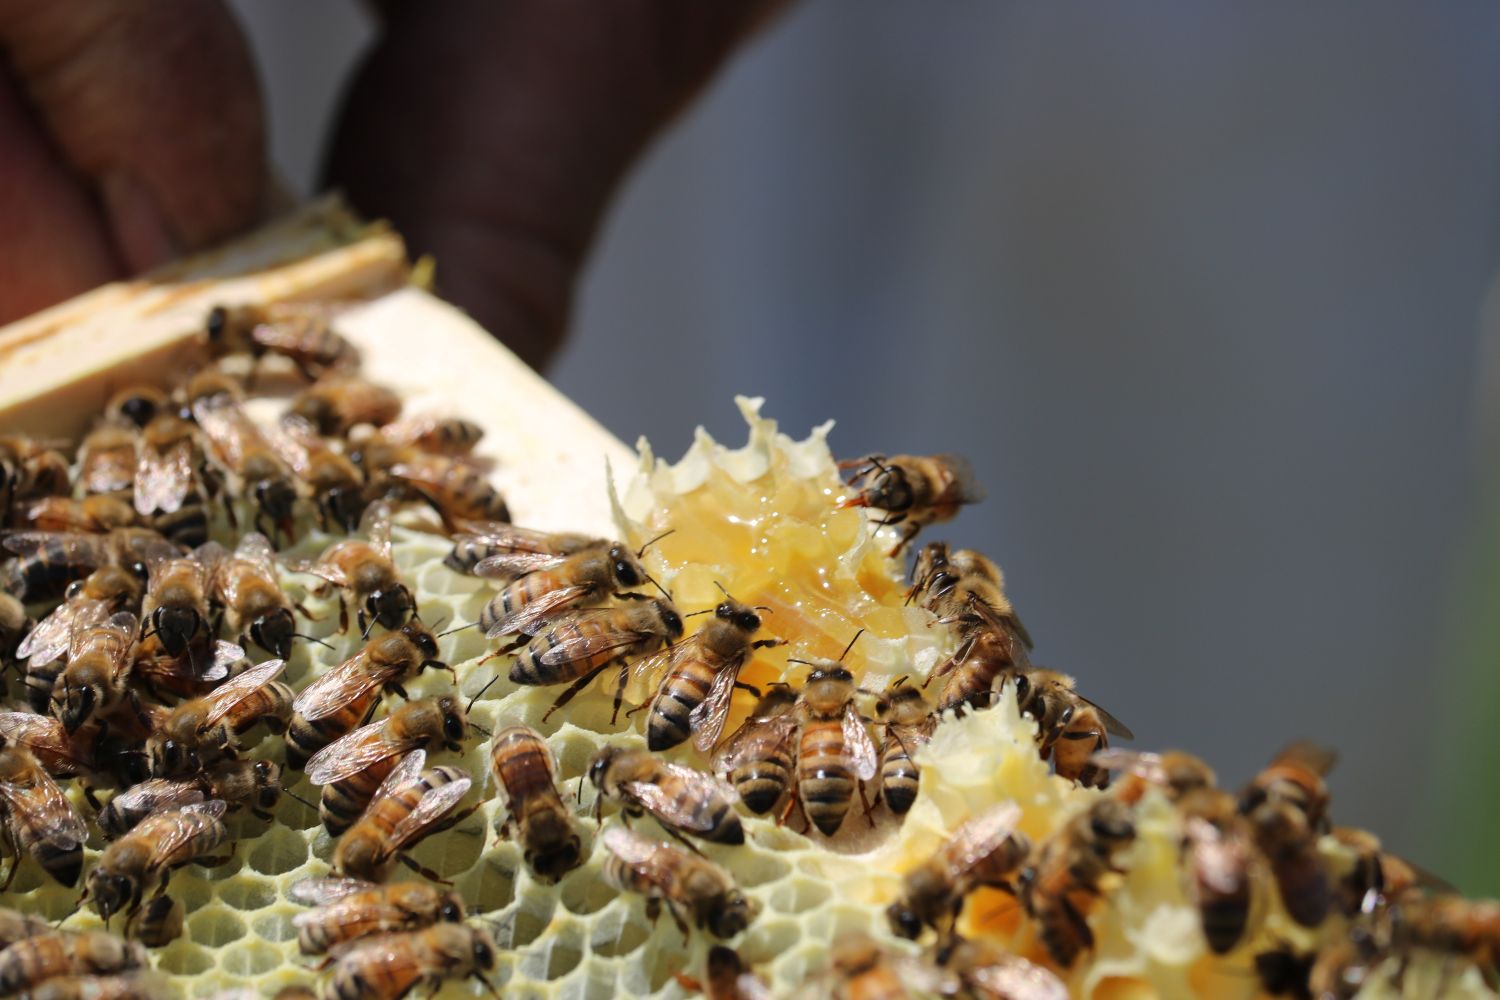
x=762, y=522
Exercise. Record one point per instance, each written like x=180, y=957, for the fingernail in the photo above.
x=143, y=238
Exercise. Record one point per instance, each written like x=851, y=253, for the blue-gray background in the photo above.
x=1199, y=288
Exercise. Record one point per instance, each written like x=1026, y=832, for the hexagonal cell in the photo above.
x=797, y=894
x=246, y=891
x=487, y=887
x=214, y=926
x=184, y=958
x=251, y=958
x=586, y=894
x=618, y=933
x=278, y=851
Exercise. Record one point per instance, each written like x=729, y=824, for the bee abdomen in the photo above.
x=1224, y=920
x=899, y=780
x=825, y=785
x=40, y=680
x=761, y=784
x=671, y=711
x=344, y=801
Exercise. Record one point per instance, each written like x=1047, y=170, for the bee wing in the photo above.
x=514, y=565
x=435, y=804
x=376, y=525
x=256, y=548
x=323, y=568
x=350, y=754
x=707, y=717
x=675, y=809
x=320, y=891
x=1014, y=976
x=159, y=793
x=231, y=693
x=163, y=480
x=213, y=808
x=1111, y=724
x=289, y=441
x=584, y=646
x=335, y=689
x=978, y=837
x=43, y=798
x=123, y=624
x=528, y=619
x=1147, y=765
x=226, y=655
x=1316, y=758
x=82, y=548
x=170, y=831
x=859, y=749
x=41, y=731
x=49, y=639
x=646, y=674
x=1006, y=624
x=754, y=739
x=518, y=540
x=629, y=846
x=223, y=423
x=404, y=773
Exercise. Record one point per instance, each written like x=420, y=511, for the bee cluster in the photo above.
x=153, y=610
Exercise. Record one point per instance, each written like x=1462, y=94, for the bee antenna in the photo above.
x=642, y=550
x=481, y=691
x=764, y=607
x=694, y=614
x=370, y=625
x=460, y=628
x=311, y=638
x=475, y=725
x=722, y=590
x=665, y=592
x=438, y=624
x=805, y=663
x=851, y=645
x=294, y=795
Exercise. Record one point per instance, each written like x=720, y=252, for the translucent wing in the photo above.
x=49, y=640
x=44, y=736
x=84, y=549
x=435, y=804
x=1219, y=861
x=157, y=794
x=591, y=645
x=64, y=828
x=1147, y=765
x=514, y=565
x=755, y=739
x=527, y=619
x=1317, y=759
x=180, y=834
x=213, y=808
x=1014, y=976
x=327, y=566
x=629, y=846
x=859, y=749
x=290, y=440
x=707, y=718
x=980, y=836
x=163, y=480
x=677, y=810
x=120, y=626
x=646, y=674
x=1111, y=724
x=230, y=694
x=404, y=773
x=321, y=891
x=348, y=681
x=256, y=548
x=348, y=755
x=376, y=524
x=517, y=539
x=226, y=426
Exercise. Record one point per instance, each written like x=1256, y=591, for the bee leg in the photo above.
x=297, y=606
x=457, y=818
x=754, y=691
x=869, y=811
x=767, y=643
x=487, y=984
x=675, y=835
x=421, y=870
x=677, y=919
x=574, y=688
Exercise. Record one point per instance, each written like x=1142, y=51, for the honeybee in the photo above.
x=255, y=607
x=390, y=966
x=92, y=514
x=454, y=487
x=30, y=468
x=859, y=969
x=349, y=909
x=343, y=698
x=157, y=923
x=1456, y=928
x=253, y=783
x=242, y=449
x=757, y=758
x=17, y=926
x=61, y=754
x=526, y=772
x=913, y=490
x=145, y=857
x=50, y=560
x=834, y=751
x=299, y=333
x=692, y=887
x=1070, y=728
x=106, y=461
x=335, y=404
x=699, y=676
x=38, y=818
x=967, y=589
x=337, y=486
x=135, y=406
x=93, y=682
x=1287, y=807
x=983, y=971
x=190, y=675
x=1221, y=862
x=578, y=646
x=136, y=985
x=410, y=804
x=352, y=767
x=729, y=978
x=909, y=724
x=365, y=573
x=545, y=585
x=985, y=850
x=1283, y=971
x=681, y=799
x=203, y=730
x=984, y=657
x=1175, y=772
x=1377, y=877
x=34, y=960
x=175, y=608
x=1069, y=874
x=428, y=432
x=104, y=592
x=477, y=541
x=171, y=478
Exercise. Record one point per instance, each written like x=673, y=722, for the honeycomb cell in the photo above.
x=246, y=891
x=214, y=926
x=279, y=851
x=184, y=958
x=253, y=958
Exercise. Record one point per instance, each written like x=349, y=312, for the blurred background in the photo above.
x=1199, y=291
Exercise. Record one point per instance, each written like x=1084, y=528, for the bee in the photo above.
x=859, y=969
x=16, y=627
x=692, y=887
x=1220, y=853
x=61, y=754
x=834, y=751
x=578, y=646
x=967, y=589
x=1287, y=807
x=349, y=909
x=1175, y=772
x=729, y=978
x=344, y=697
x=544, y=586
x=92, y=684
x=193, y=674
x=93, y=515
x=985, y=657
x=30, y=468
x=700, y=675
x=255, y=607
x=984, y=971
x=34, y=960
x=1070, y=728
x=909, y=724
x=17, y=926
x=352, y=767
x=50, y=560
x=410, y=804
x=1283, y=971
x=757, y=759
x=1069, y=874
x=135, y=406
x=38, y=818
x=1461, y=930
x=335, y=404
x=203, y=730
x=477, y=541
x=912, y=490
x=364, y=571
x=986, y=849
x=145, y=857
x=157, y=923
x=431, y=433
x=172, y=478
x=299, y=333
x=136, y=985
x=337, y=485
x=175, y=608
x=526, y=772
x=1377, y=877
x=104, y=592
x=390, y=966
x=681, y=799
x=253, y=783
x=218, y=407
x=454, y=487
x=106, y=462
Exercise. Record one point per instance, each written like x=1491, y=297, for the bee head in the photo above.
x=175, y=627
x=267, y=784
x=670, y=620
x=892, y=490
x=484, y=951
x=600, y=764
x=451, y=908
x=75, y=706
x=273, y=632
x=904, y=922
x=110, y=892
x=343, y=506
x=627, y=571
x=169, y=757
x=275, y=498
x=455, y=722
x=139, y=410
x=830, y=673
x=391, y=607
x=1110, y=822
x=734, y=916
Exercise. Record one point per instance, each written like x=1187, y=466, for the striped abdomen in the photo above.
x=529, y=668
x=343, y=802
x=681, y=691
x=271, y=704
x=972, y=682
x=706, y=813
x=899, y=774
x=522, y=762
x=761, y=782
x=518, y=594
x=304, y=738
x=824, y=781
x=187, y=525
x=367, y=850
x=40, y=679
